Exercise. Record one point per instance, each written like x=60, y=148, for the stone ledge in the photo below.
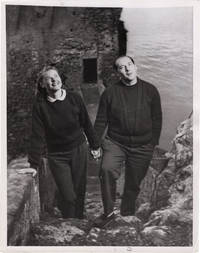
x=23, y=204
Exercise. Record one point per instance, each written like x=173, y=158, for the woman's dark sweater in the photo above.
x=132, y=113
x=62, y=124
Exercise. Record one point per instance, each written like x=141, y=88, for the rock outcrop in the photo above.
x=171, y=207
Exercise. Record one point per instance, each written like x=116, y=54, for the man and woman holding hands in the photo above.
x=130, y=110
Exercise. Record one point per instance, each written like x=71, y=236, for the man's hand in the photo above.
x=96, y=153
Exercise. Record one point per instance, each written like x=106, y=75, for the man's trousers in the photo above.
x=136, y=161
x=69, y=170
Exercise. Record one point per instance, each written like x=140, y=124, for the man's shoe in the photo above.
x=104, y=220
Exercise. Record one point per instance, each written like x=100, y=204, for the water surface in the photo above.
x=160, y=39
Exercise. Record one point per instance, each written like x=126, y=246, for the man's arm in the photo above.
x=156, y=115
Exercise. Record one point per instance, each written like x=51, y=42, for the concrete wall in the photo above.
x=60, y=36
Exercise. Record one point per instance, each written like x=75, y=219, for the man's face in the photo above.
x=51, y=81
x=126, y=68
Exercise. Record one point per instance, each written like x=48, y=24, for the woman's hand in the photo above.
x=22, y=166
x=27, y=171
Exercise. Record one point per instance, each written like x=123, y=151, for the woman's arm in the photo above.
x=37, y=138
x=86, y=123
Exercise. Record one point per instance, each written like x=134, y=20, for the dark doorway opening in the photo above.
x=90, y=70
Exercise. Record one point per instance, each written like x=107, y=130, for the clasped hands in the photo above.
x=96, y=153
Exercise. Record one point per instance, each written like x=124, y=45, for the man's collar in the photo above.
x=127, y=84
x=61, y=98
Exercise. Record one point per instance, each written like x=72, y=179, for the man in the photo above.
x=131, y=110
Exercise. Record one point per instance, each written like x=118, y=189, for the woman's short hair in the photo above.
x=42, y=91
x=121, y=56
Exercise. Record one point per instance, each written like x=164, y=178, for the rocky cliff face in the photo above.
x=164, y=214
x=170, y=210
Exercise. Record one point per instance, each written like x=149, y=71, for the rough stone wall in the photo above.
x=60, y=36
x=23, y=203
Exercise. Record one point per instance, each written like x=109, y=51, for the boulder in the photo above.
x=57, y=232
x=156, y=235
x=119, y=236
x=144, y=211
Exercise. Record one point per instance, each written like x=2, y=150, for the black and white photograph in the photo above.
x=99, y=126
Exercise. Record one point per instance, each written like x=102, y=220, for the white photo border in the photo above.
x=196, y=105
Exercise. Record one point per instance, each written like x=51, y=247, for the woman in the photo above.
x=61, y=120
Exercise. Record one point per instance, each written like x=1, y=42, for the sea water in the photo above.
x=161, y=41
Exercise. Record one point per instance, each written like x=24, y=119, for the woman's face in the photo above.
x=51, y=81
